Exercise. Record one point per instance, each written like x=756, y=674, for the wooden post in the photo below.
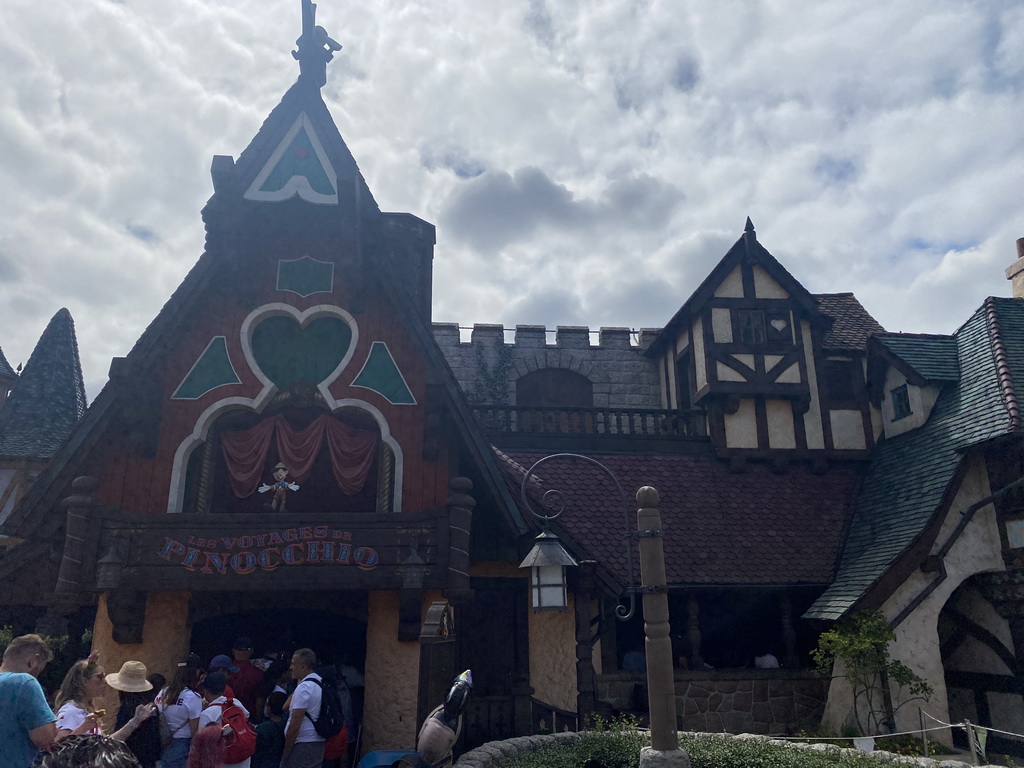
x=661, y=688
x=924, y=733
x=970, y=742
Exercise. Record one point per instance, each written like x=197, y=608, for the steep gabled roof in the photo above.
x=747, y=248
x=231, y=180
x=912, y=476
x=6, y=372
x=49, y=397
x=933, y=358
x=720, y=528
x=852, y=326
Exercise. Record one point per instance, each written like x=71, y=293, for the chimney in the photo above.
x=1015, y=272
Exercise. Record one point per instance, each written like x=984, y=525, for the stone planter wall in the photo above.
x=492, y=752
x=773, y=701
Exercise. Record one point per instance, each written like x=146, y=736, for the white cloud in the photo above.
x=586, y=163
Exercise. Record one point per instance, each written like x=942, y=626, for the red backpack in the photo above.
x=241, y=745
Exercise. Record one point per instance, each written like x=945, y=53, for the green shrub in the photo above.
x=617, y=744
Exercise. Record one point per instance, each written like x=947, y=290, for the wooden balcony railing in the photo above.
x=609, y=422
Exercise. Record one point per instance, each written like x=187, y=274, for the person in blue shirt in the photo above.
x=27, y=724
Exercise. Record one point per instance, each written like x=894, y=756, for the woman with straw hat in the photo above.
x=135, y=691
x=76, y=714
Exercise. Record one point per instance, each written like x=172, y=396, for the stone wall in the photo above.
x=494, y=752
x=742, y=701
x=621, y=375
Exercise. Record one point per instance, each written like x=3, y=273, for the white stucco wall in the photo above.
x=741, y=427
x=732, y=286
x=721, y=325
x=700, y=362
x=848, y=430
x=781, y=433
x=922, y=399
x=977, y=550
x=765, y=286
x=812, y=419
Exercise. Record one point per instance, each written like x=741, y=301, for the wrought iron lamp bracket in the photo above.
x=554, y=504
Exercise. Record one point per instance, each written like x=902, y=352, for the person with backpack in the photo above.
x=303, y=744
x=228, y=712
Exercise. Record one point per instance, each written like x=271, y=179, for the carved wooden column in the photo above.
x=790, y=660
x=661, y=685
x=693, y=631
x=77, y=529
x=460, y=520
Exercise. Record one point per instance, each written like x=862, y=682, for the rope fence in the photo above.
x=977, y=735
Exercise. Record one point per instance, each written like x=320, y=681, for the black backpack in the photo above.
x=331, y=719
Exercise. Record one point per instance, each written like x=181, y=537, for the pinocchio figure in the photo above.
x=280, y=487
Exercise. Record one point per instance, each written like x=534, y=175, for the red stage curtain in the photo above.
x=246, y=453
x=352, y=453
x=298, y=450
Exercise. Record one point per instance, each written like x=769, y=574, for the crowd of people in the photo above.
x=235, y=712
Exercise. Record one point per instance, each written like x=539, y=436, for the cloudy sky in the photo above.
x=586, y=163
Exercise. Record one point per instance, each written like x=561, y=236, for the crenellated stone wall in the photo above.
x=622, y=376
x=734, y=701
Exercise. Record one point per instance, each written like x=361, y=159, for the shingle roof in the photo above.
x=720, y=528
x=933, y=357
x=851, y=323
x=6, y=372
x=909, y=474
x=49, y=397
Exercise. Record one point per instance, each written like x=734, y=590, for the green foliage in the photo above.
x=617, y=744
x=605, y=743
x=491, y=386
x=51, y=677
x=908, y=746
x=861, y=643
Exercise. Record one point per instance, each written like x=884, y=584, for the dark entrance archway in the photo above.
x=331, y=623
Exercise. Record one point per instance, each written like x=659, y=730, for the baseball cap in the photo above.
x=222, y=661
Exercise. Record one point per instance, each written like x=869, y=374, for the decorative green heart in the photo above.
x=288, y=353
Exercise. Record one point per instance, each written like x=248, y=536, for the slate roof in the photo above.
x=910, y=474
x=851, y=323
x=49, y=397
x=6, y=372
x=720, y=528
x=933, y=357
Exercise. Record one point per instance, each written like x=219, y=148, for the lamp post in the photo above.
x=664, y=751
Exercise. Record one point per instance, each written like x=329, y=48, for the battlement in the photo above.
x=537, y=336
x=622, y=376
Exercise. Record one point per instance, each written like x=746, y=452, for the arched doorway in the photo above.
x=331, y=623
x=982, y=672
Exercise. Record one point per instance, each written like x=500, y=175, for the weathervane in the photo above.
x=316, y=48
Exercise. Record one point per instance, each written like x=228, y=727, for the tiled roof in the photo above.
x=909, y=474
x=720, y=528
x=851, y=323
x=49, y=397
x=6, y=372
x=934, y=357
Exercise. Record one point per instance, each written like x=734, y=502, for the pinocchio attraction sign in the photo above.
x=269, y=550
x=273, y=550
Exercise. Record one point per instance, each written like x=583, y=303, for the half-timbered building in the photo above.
x=294, y=451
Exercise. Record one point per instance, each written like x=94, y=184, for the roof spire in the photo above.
x=749, y=225
x=316, y=48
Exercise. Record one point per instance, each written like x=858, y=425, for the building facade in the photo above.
x=293, y=451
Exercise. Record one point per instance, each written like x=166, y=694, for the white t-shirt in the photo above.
x=177, y=714
x=70, y=716
x=212, y=715
x=307, y=696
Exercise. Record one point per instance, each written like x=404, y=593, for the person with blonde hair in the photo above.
x=27, y=723
x=76, y=715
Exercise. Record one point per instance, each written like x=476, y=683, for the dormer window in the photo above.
x=900, y=402
x=756, y=327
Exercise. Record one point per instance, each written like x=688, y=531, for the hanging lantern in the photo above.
x=547, y=561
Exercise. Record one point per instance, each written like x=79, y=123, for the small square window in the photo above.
x=900, y=402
